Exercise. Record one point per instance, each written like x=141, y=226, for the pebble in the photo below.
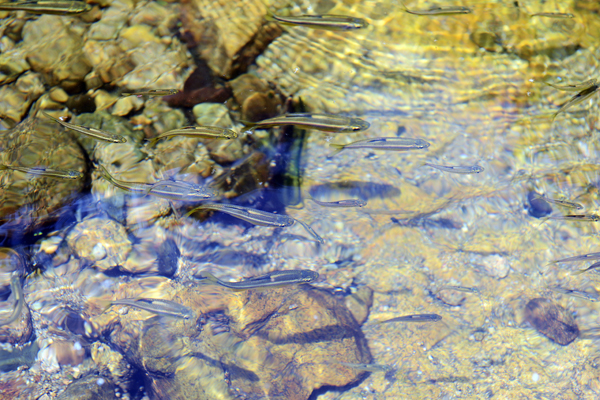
x=551, y=320
x=537, y=207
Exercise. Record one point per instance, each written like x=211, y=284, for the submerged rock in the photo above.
x=91, y=387
x=100, y=242
x=278, y=344
x=551, y=320
x=55, y=49
x=27, y=202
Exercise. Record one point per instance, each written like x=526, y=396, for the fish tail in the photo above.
x=338, y=148
x=4, y=167
x=269, y=16
x=207, y=277
x=49, y=116
x=404, y=6
x=248, y=124
x=105, y=174
x=193, y=211
x=153, y=141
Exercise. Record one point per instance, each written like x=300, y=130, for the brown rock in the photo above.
x=280, y=344
x=199, y=87
x=91, y=387
x=37, y=142
x=551, y=320
x=68, y=352
x=229, y=43
x=54, y=48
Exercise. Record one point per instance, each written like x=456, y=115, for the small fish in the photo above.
x=553, y=15
x=414, y=318
x=444, y=10
x=321, y=122
x=272, y=279
x=364, y=367
x=45, y=172
x=342, y=203
x=563, y=203
x=91, y=132
x=574, y=88
x=577, y=217
x=256, y=217
x=17, y=291
x=200, y=132
x=385, y=143
x=311, y=231
x=576, y=293
x=176, y=190
x=459, y=289
x=186, y=191
x=157, y=306
x=578, y=98
x=150, y=92
x=328, y=21
x=595, y=265
x=458, y=169
x=47, y=7
x=584, y=257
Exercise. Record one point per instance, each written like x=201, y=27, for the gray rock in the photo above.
x=91, y=387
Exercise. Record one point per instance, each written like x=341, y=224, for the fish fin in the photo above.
x=105, y=174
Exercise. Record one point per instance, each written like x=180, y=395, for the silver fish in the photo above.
x=91, y=132
x=321, y=122
x=577, y=217
x=181, y=190
x=442, y=10
x=172, y=190
x=553, y=15
x=578, y=98
x=272, y=279
x=45, y=172
x=311, y=231
x=595, y=265
x=459, y=289
x=157, y=306
x=57, y=7
x=414, y=318
x=365, y=367
x=342, y=203
x=583, y=257
x=256, y=217
x=458, y=169
x=562, y=203
x=574, y=88
x=328, y=21
x=384, y=143
x=150, y=92
x=576, y=293
x=201, y=132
